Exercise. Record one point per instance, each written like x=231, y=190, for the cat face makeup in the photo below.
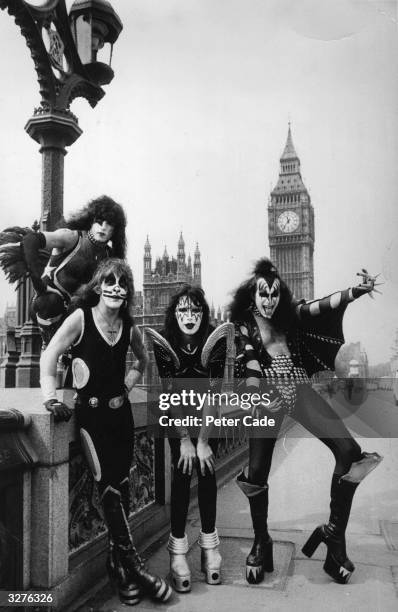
x=189, y=315
x=267, y=297
x=114, y=290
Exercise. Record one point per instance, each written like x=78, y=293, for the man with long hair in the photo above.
x=90, y=235
x=280, y=344
x=186, y=329
x=99, y=331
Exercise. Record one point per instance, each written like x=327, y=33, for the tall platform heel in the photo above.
x=210, y=556
x=313, y=542
x=260, y=559
x=128, y=591
x=337, y=564
x=179, y=568
x=125, y=558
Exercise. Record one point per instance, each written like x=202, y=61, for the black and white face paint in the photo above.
x=114, y=290
x=267, y=297
x=188, y=315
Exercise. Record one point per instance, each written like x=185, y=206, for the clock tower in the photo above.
x=291, y=231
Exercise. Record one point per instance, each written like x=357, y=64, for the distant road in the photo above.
x=375, y=417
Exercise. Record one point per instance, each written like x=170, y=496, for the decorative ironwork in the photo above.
x=56, y=50
x=57, y=91
x=85, y=513
x=142, y=474
x=9, y=558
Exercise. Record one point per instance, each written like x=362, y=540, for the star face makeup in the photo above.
x=101, y=231
x=189, y=315
x=114, y=290
x=267, y=297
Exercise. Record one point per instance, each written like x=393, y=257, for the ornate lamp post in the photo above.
x=64, y=48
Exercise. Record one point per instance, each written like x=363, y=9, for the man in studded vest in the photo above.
x=280, y=344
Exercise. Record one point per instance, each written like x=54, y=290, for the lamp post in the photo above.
x=64, y=48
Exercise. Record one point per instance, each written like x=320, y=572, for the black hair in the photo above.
x=243, y=297
x=106, y=209
x=172, y=330
x=88, y=297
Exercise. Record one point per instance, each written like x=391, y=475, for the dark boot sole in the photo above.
x=332, y=567
x=338, y=572
x=255, y=573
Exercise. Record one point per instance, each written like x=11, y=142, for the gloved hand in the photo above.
x=367, y=285
x=61, y=411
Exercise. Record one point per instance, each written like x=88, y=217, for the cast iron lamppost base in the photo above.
x=64, y=50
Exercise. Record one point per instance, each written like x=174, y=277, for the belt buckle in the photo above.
x=116, y=402
x=93, y=402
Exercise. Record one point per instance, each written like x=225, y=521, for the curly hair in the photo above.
x=172, y=330
x=106, y=209
x=88, y=297
x=243, y=297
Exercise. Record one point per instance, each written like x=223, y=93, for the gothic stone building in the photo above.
x=291, y=231
x=161, y=281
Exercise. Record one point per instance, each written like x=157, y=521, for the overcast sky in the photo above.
x=190, y=132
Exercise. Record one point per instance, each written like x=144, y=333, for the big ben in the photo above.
x=291, y=231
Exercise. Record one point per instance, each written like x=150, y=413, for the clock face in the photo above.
x=288, y=221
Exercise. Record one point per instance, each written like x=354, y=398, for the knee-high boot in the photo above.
x=337, y=564
x=260, y=558
x=130, y=592
x=130, y=567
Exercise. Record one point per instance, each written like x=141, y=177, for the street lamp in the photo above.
x=64, y=48
x=95, y=23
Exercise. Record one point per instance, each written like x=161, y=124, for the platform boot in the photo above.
x=337, y=564
x=125, y=557
x=210, y=557
x=260, y=557
x=128, y=590
x=179, y=568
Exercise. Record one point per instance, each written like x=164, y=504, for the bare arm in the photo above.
x=203, y=449
x=62, y=238
x=69, y=331
x=136, y=371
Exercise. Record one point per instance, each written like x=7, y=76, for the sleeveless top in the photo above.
x=98, y=365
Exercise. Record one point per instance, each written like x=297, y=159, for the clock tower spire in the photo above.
x=291, y=232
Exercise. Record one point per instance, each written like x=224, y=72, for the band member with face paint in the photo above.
x=100, y=331
x=280, y=344
x=59, y=262
x=186, y=330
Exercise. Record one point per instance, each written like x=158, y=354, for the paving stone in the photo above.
x=389, y=531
